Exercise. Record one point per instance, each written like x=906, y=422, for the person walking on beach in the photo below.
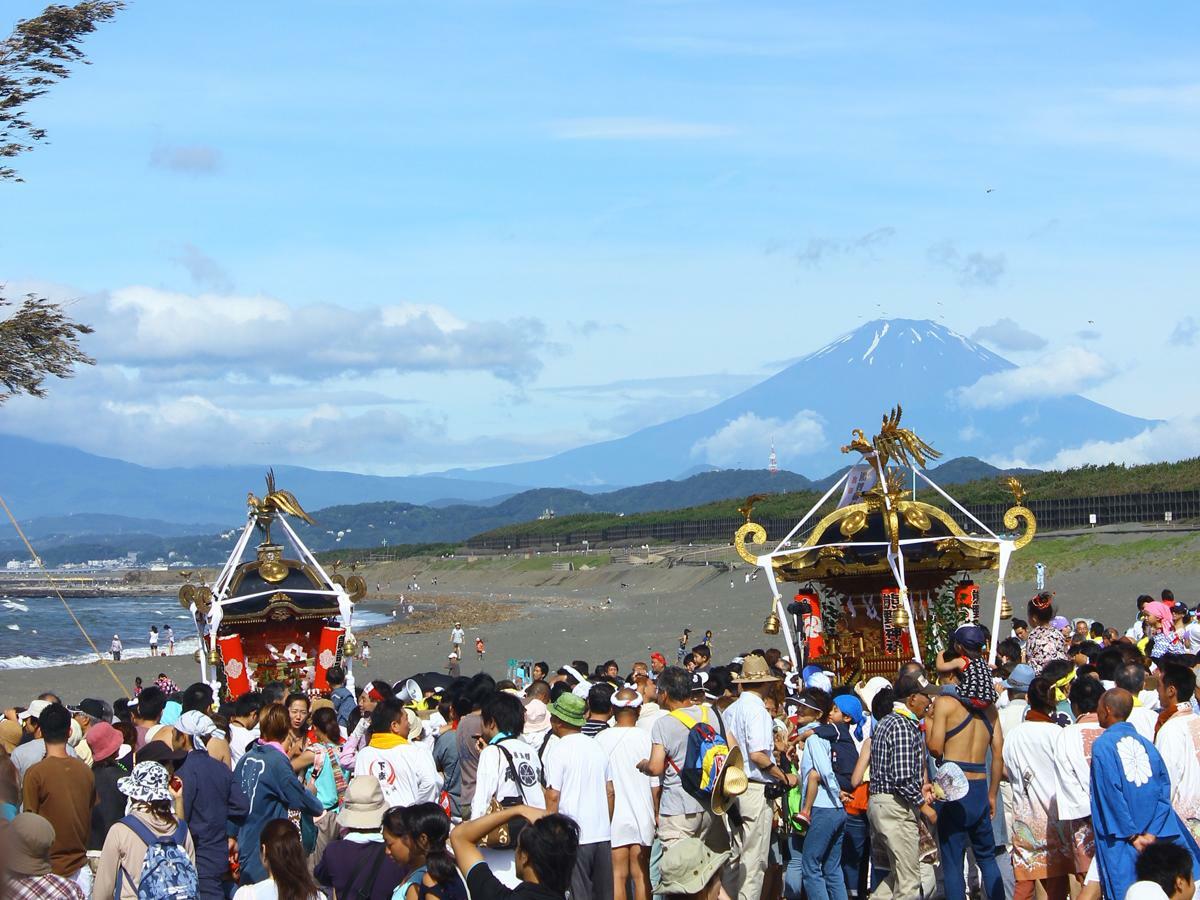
x=457, y=637
x=365, y=653
x=116, y=648
x=479, y=648
x=169, y=637
x=154, y=640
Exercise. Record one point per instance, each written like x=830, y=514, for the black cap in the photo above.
x=100, y=710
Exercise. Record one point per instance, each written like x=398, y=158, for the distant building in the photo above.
x=772, y=460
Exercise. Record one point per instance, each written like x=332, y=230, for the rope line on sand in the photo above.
x=54, y=584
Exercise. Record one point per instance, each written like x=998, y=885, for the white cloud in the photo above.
x=113, y=412
x=1057, y=374
x=819, y=249
x=1164, y=442
x=175, y=335
x=1006, y=334
x=1185, y=332
x=205, y=271
x=974, y=268
x=635, y=129
x=746, y=440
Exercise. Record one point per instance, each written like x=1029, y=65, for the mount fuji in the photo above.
x=809, y=409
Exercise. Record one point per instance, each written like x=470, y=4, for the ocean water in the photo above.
x=38, y=631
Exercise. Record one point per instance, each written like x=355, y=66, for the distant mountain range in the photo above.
x=40, y=480
x=362, y=525
x=809, y=409
x=847, y=384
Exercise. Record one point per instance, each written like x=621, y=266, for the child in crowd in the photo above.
x=416, y=838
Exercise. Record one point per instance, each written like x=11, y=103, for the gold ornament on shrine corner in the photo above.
x=901, y=619
x=1005, y=608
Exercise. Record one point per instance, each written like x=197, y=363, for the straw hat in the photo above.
x=866, y=692
x=10, y=734
x=363, y=805
x=687, y=866
x=731, y=782
x=755, y=671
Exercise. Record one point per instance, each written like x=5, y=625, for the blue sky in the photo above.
x=397, y=237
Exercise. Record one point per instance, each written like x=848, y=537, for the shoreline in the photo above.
x=531, y=612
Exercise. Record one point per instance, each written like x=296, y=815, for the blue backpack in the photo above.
x=707, y=751
x=167, y=873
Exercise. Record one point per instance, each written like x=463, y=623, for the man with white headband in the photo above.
x=211, y=799
x=626, y=745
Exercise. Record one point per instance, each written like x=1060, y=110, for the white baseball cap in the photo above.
x=36, y=708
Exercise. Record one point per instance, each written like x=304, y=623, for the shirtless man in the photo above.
x=961, y=728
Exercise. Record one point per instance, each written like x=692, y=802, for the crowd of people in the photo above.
x=1072, y=761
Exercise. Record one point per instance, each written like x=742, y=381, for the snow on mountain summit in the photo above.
x=900, y=338
x=813, y=404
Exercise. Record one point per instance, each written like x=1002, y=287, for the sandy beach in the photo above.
x=528, y=612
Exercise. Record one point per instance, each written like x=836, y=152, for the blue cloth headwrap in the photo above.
x=852, y=709
x=171, y=713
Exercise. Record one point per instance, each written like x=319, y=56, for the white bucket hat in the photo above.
x=148, y=783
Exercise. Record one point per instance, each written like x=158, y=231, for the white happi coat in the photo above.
x=1178, y=741
x=1041, y=842
x=1072, y=779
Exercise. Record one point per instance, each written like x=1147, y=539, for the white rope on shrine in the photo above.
x=808, y=515
x=957, y=505
x=895, y=560
x=896, y=564
x=781, y=612
x=345, y=607
x=1006, y=551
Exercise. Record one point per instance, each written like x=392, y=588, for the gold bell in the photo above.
x=900, y=619
x=771, y=625
x=1005, y=608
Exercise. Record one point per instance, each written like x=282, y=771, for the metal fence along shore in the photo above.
x=1052, y=515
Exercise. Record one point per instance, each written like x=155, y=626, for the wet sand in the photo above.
x=560, y=616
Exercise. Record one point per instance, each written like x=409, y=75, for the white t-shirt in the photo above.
x=1193, y=636
x=493, y=779
x=239, y=739
x=406, y=773
x=1145, y=890
x=633, y=811
x=457, y=636
x=577, y=768
x=153, y=638
x=264, y=890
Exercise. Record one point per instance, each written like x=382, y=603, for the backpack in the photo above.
x=167, y=872
x=706, y=754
